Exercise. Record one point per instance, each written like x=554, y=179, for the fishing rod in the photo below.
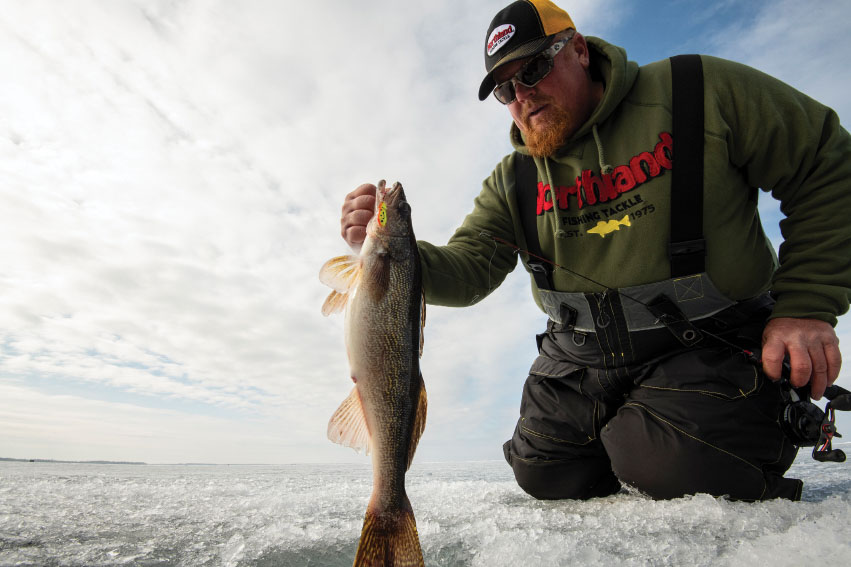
x=802, y=421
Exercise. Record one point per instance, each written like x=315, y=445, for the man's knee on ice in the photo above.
x=565, y=480
x=663, y=461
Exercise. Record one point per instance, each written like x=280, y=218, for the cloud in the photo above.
x=173, y=174
x=802, y=48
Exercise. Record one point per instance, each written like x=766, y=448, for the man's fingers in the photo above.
x=833, y=356
x=366, y=189
x=818, y=380
x=359, y=203
x=361, y=198
x=354, y=236
x=358, y=208
x=354, y=226
x=800, y=365
x=813, y=350
x=359, y=217
x=773, y=354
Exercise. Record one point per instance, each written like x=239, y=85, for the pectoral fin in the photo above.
x=342, y=275
x=348, y=424
x=334, y=303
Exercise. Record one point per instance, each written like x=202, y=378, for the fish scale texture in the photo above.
x=382, y=296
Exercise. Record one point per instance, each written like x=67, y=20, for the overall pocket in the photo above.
x=553, y=409
x=715, y=372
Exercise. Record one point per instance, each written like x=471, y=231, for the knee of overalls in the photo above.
x=658, y=460
x=564, y=479
x=702, y=423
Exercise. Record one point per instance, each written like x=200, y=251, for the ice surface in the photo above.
x=468, y=514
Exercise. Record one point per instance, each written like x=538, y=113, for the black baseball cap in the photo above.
x=519, y=30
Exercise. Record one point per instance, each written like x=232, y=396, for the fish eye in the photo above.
x=404, y=208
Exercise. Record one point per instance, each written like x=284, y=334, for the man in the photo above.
x=656, y=291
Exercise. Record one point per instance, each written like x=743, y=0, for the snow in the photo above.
x=468, y=514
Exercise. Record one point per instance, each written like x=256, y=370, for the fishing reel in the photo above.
x=803, y=422
x=807, y=425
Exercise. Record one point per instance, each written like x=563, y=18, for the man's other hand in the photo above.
x=813, y=350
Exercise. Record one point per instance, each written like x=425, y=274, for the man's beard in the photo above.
x=543, y=140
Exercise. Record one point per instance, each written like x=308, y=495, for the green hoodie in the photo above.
x=758, y=133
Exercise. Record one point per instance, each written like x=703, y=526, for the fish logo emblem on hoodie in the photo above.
x=606, y=227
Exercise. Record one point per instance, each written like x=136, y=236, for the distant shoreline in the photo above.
x=57, y=461
x=6, y=459
x=365, y=463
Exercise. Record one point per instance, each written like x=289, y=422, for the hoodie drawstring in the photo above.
x=605, y=168
x=559, y=233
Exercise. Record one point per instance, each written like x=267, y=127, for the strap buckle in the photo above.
x=667, y=313
x=539, y=267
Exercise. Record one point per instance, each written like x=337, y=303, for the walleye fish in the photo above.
x=606, y=227
x=381, y=292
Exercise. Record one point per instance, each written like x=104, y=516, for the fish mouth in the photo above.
x=390, y=197
x=389, y=202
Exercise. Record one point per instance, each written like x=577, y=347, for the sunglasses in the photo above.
x=530, y=75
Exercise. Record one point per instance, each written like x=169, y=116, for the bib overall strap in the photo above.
x=526, y=189
x=687, y=248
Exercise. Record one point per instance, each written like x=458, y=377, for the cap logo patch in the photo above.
x=499, y=37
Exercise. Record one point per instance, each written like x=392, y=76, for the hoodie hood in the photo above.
x=608, y=63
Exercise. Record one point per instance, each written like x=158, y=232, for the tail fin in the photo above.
x=389, y=538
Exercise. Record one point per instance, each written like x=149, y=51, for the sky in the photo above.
x=172, y=176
